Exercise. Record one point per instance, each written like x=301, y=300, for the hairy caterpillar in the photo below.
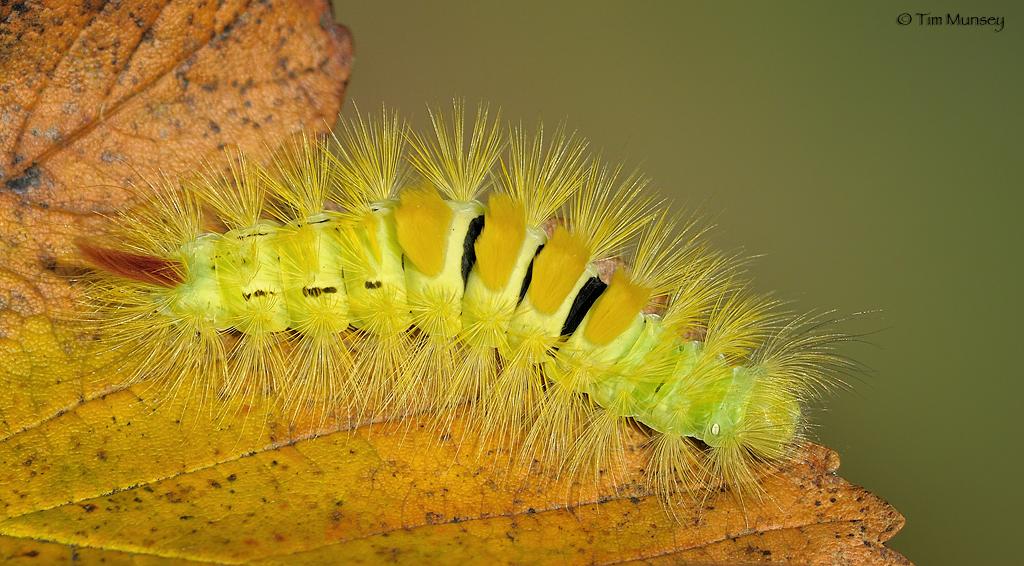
x=562, y=308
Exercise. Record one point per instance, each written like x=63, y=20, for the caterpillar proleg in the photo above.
x=506, y=274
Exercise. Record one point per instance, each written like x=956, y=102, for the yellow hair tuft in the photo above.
x=367, y=162
x=608, y=209
x=541, y=177
x=458, y=168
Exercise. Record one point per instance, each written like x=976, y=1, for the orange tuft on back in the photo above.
x=497, y=248
x=556, y=269
x=422, y=219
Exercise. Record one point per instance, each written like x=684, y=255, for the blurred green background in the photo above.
x=877, y=166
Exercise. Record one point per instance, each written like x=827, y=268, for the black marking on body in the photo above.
x=253, y=235
x=529, y=275
x=317, y=291
x=258, y=293
x=373, y=284
x=468, y=249
x=589, y=293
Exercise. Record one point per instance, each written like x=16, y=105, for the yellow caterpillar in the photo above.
x=559, y=309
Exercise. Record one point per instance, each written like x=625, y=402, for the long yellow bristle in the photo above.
x=456, y=166
x=666, y=255
x=675, y=467
x=608, y=209
x=541, y=177
x=367, y=160
x=556, y=423
x=740, y=323
x=165, y=219
x=237, y=195
x=300, y=178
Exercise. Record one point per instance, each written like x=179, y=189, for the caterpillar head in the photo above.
x=764, y=424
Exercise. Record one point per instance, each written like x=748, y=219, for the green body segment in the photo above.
x=727, y=416
x=533, y=333
x=489, y=313
x=249, y=273
x=199, y=297
x=436, y=302
x=584, y=365
x=374, y=274
x=333, y=270
x=637, y=374
x=313, y=275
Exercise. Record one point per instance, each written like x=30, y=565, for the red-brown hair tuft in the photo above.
x=138, y=267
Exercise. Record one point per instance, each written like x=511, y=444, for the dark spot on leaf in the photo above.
x=26, y=181
x=434, y=518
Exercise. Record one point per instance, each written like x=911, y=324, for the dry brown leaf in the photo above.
x=98, y=95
